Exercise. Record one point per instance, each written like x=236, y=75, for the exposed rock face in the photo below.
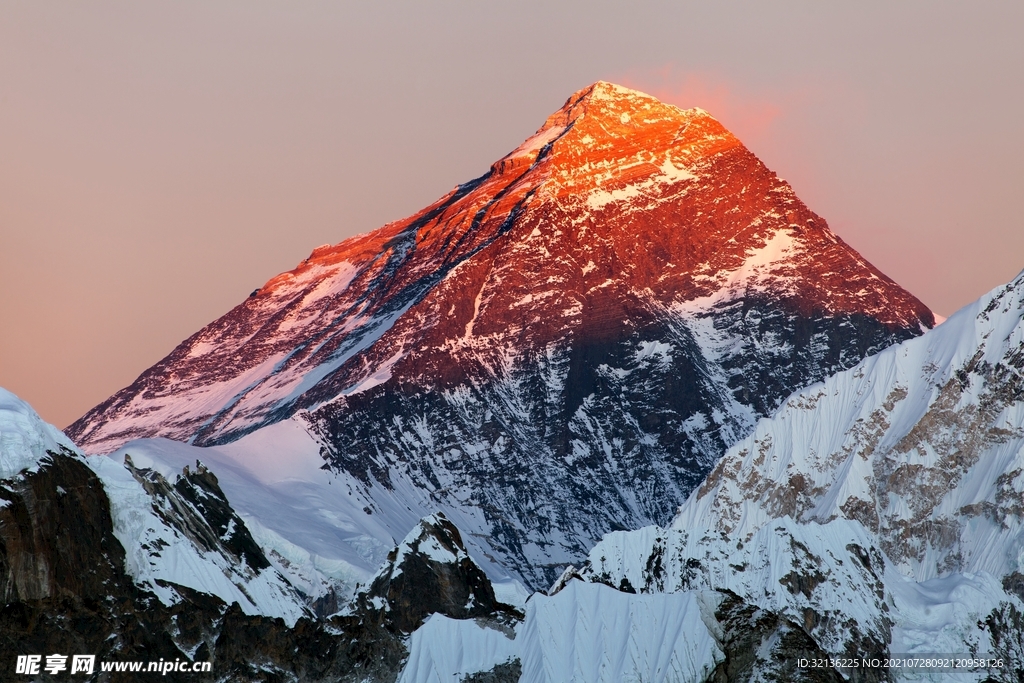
x=617, y=300
x=52, y=530
x=509, y=672
x=430, y=572
x=762, y=645
x=197, y=507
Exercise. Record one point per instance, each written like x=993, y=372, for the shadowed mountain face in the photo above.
x=565, y=345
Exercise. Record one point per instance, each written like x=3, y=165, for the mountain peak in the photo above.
x=605, y=144
x=603, y=97
x=618, y=299
x=617, y=103
x=621, y=210
x=604, y=123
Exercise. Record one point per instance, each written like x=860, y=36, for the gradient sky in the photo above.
x=160, y=160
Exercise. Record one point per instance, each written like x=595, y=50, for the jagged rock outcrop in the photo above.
x=759, y=644
x=430, y=573
x=52, y=523
x=195, y=506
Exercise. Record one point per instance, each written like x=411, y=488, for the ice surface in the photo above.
x=586, y=633
x=445, y=650
x=24, y=436
x=590, y=633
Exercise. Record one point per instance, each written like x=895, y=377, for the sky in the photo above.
x=160, y=160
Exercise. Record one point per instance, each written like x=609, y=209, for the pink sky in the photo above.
x=159, y=161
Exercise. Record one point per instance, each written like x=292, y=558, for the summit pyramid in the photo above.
x=561, y=347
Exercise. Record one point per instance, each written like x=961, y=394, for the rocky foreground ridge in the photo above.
x=617, y=300
x=71, y=580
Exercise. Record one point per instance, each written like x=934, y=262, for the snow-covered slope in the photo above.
x=923, y=444
x=785, y=568
x=587, y=633
x=617, y=300
x=807, y=590
x=881, y=511
x=677, y=607
x=24, y=436
x=177, y=531
x=324, y=530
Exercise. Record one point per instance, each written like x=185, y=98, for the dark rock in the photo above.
x=430, y=573
x=1005, y=625
x=1014, y=583
x=506, y=672
x=196, y=506
x=765, y=645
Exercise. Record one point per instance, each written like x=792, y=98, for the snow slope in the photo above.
x=166, y=538
x=324, y=530
x=24, y=436
x=586, y=633
x=923, y=444
x=446, y=649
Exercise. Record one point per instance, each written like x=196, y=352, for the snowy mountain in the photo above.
x=923, y=444
x=879, y=512
x=559, y=348
x=358, y=473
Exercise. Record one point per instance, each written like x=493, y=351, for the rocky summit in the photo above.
x=559, y=348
